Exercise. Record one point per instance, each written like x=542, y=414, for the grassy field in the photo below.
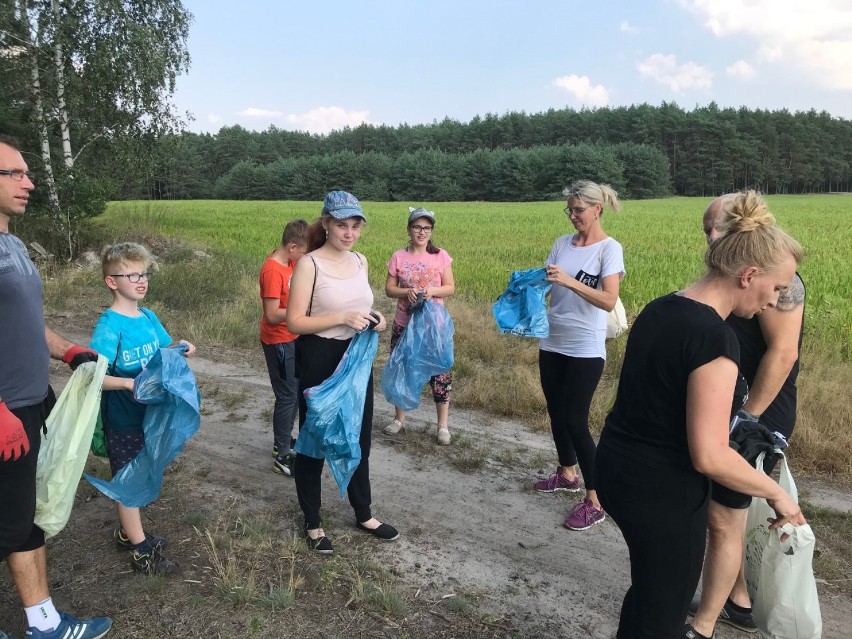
x=214, y=300
x=662, y=242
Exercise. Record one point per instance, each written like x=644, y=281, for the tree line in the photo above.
x=426, y=174
x=642, y=150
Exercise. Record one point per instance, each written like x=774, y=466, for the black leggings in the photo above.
x=18, y=532
x=316, y=359
x=662, y=513
x=569, y=384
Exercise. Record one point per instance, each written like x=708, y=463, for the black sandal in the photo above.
x=321, y=544
x=385, y=532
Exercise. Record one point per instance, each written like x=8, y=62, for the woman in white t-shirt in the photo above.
x=421, y=267
x=585, y=268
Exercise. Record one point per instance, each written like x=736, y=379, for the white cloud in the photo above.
x=768, y=53
x=678, y=77
x=740, y=69
x=582, y=89
x=254, y=112
x=325, y=119
x=626, y=27
x=214, y=118
x=814, y=35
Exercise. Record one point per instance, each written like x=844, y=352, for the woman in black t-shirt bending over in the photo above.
x=667, y=434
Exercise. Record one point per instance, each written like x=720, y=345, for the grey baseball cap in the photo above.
x=414, y=214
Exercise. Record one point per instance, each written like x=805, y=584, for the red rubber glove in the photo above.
x=77, y=355
x=14, y=442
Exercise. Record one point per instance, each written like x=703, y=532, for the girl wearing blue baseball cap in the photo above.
x=331, y=299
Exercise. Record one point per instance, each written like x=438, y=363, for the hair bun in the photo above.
x=748, y=213
x=749, y=236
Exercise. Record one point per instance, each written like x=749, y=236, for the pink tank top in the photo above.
x=335, y=294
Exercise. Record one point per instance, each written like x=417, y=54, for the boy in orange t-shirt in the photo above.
x=279, y=344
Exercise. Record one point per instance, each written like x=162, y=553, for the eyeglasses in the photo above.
x=134, y=278
x=421, y=229
x=575, y=210
x=18, y=174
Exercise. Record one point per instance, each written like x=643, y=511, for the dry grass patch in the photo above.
x=833, y=554
x=496, y=371
x=251, y=565
x=822, y=440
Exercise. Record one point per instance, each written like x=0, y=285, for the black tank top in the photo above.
x=781, y=413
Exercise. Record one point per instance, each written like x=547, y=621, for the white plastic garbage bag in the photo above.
x=780, y=574
x=65, y=447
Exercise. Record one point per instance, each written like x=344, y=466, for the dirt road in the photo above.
x=486, y=530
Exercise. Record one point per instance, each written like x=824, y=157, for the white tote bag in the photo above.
x=780, y=574
x=616, y=320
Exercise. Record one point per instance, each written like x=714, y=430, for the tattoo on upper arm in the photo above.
x=793, y=296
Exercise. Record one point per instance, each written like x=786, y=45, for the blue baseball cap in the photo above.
x=342, y=205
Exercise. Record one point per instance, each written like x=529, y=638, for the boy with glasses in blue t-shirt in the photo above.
x=128, y=336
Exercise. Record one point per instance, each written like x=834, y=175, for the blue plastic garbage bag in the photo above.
x=425, y=349
x=332, y=427
x=522, y=309
x=172, y=416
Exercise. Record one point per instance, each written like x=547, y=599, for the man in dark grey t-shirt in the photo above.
x=26, y=398
x=23, y=367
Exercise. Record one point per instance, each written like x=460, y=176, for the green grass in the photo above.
x=212, y=300
x=662, y=239
x=457, y=603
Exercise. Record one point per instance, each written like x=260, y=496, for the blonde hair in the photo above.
x=749, y=237
x=593, y=193
x=124, y=252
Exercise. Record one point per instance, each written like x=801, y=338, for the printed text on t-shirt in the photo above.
x=589, y=280
x=140, y=355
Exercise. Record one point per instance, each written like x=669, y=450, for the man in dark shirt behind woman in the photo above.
x=667, y=435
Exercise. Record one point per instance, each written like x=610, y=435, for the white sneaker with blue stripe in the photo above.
x=72, y=628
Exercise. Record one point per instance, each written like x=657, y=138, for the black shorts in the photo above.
x=731, y=498
x=18, y=532
x=123, y=446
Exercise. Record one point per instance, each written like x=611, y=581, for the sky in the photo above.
x=322, y=65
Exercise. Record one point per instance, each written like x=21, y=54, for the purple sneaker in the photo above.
x=557, y=482
x=583, y=516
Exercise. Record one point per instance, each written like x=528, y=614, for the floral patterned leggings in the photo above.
x=441, y=385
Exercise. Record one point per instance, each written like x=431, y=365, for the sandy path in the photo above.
x=484, y=532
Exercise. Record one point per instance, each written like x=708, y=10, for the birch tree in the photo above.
x=97, y=73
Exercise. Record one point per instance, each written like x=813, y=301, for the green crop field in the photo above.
x=213, y=300
x=662, y=239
